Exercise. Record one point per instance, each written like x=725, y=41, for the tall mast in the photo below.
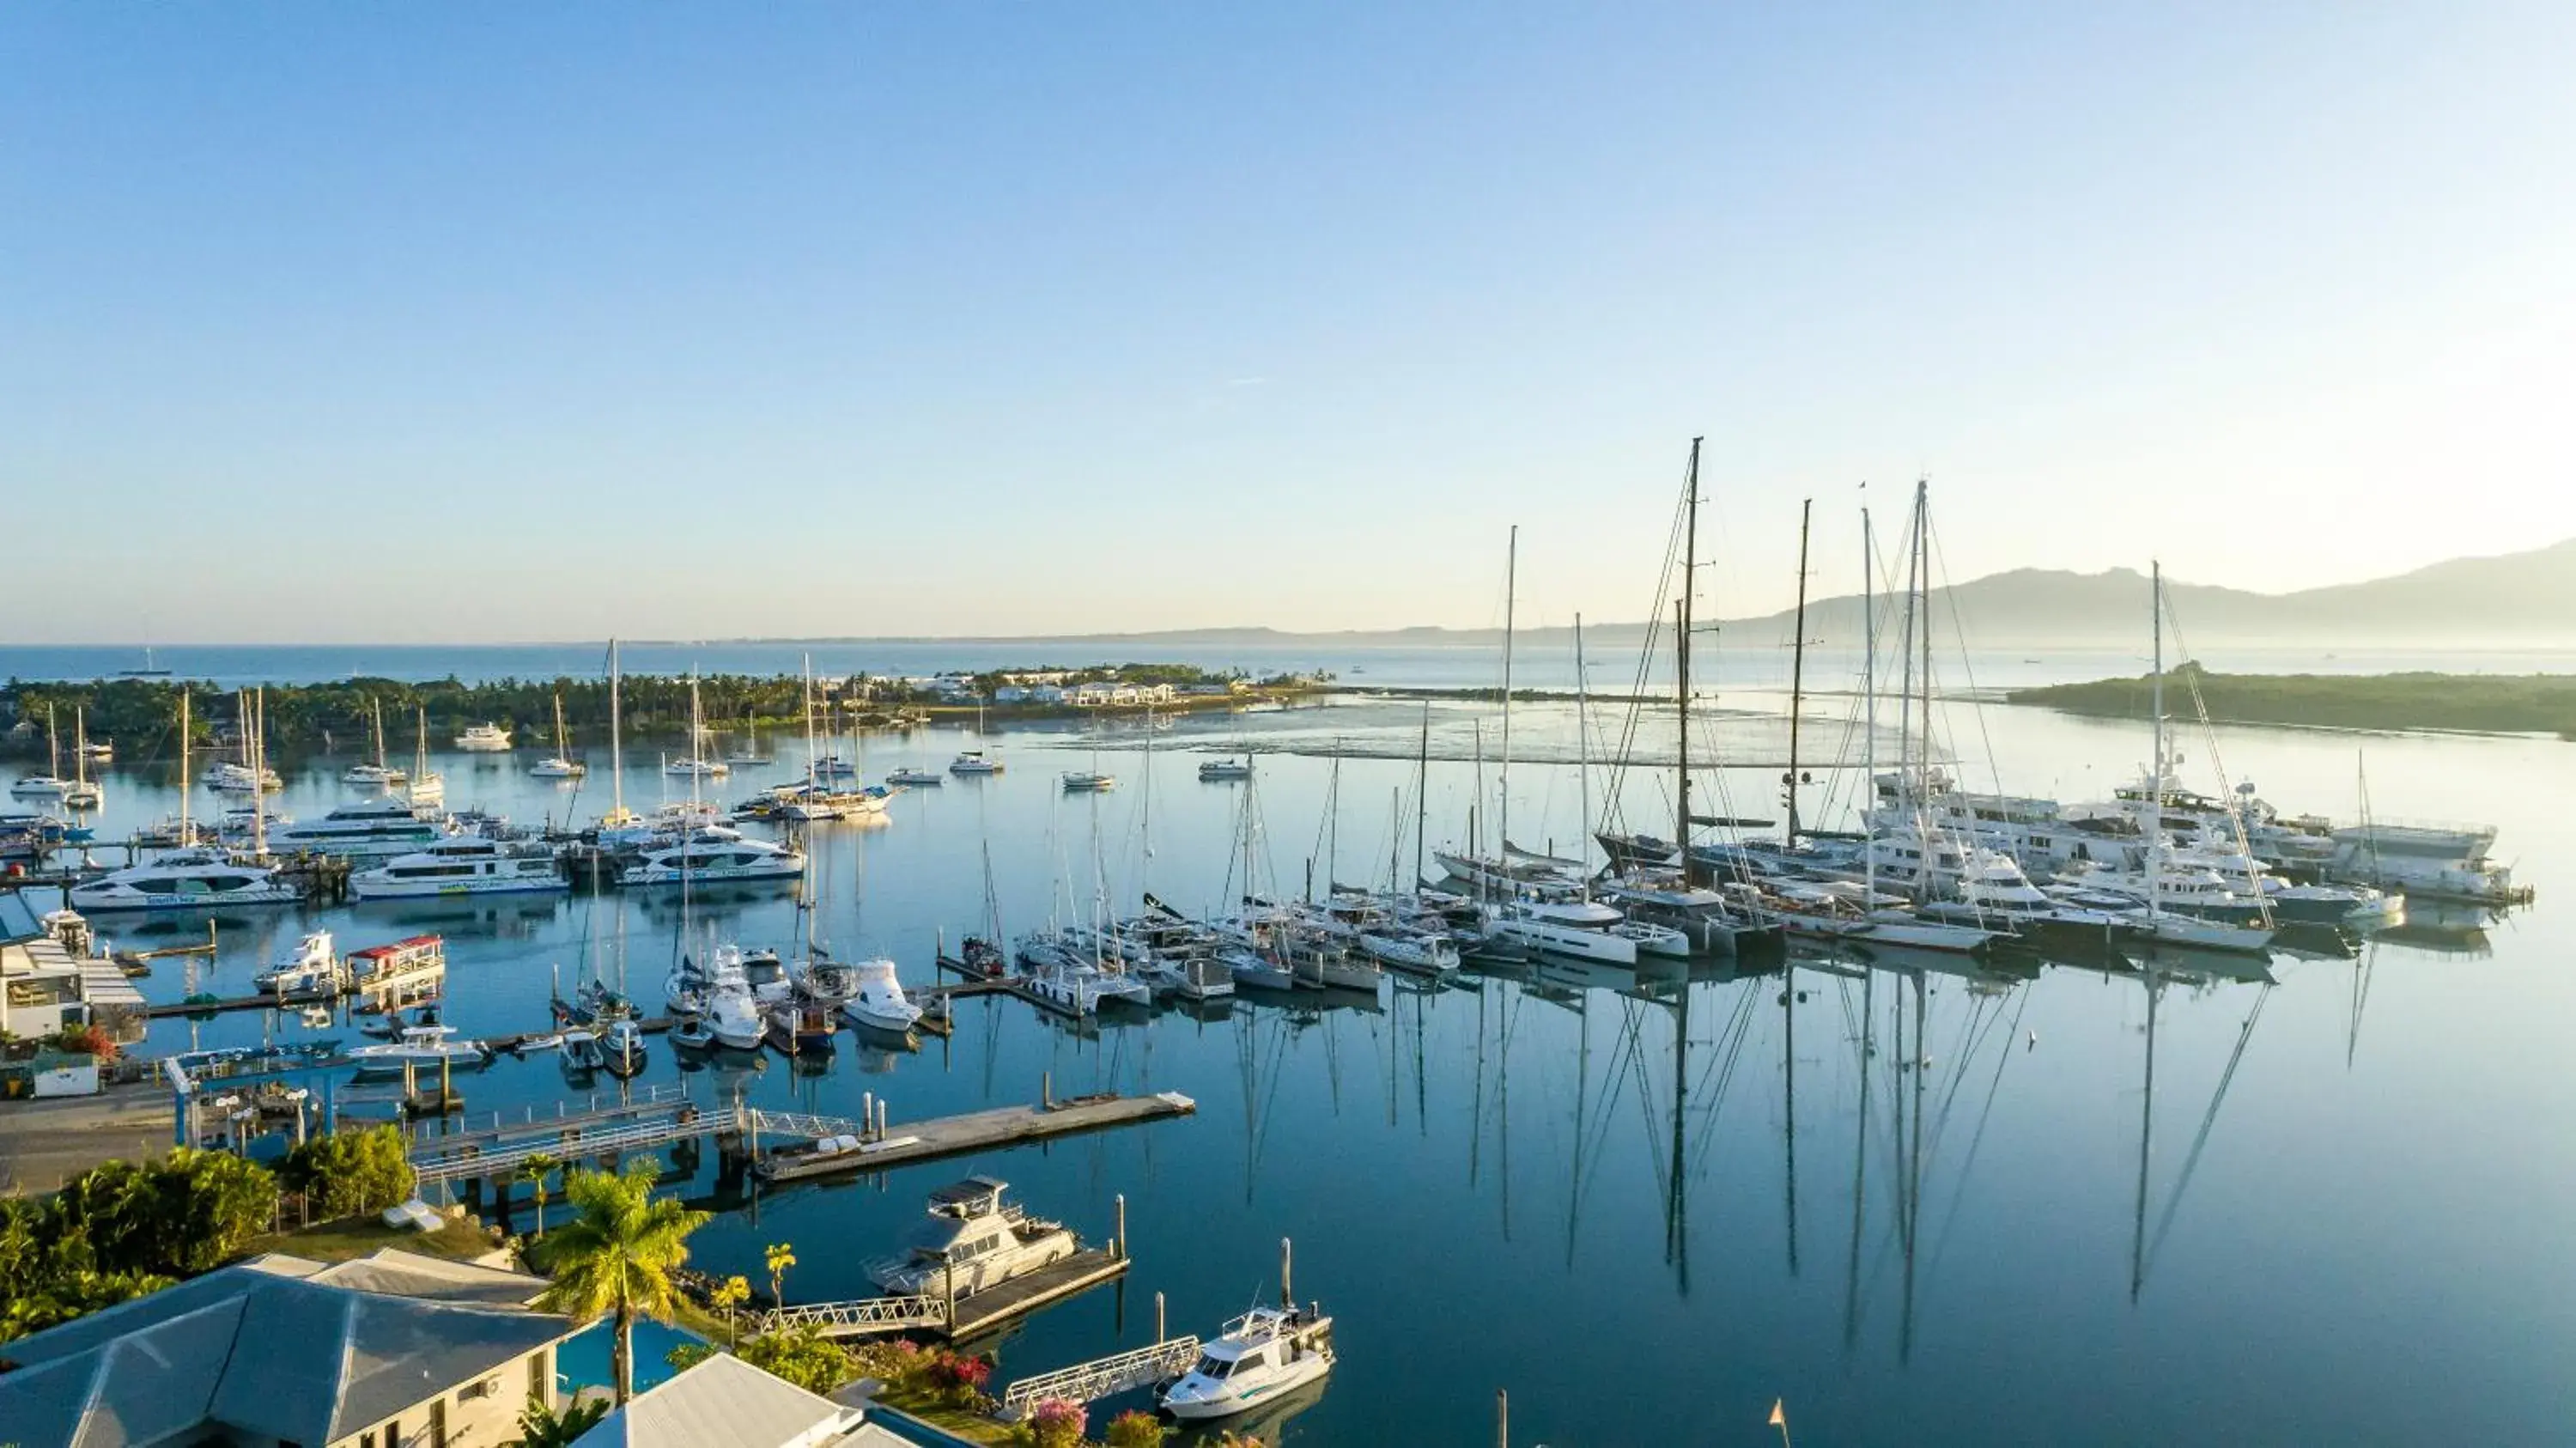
x=1797, y=671
x=1905, y=671
x=1681, y=658
x=2156, y=769
x=1582, y=758
x=1868, y=692
x=258, y=746
x=1421, y=794
x=187, y=784
x=616, y=740
x=1923, y=571
x=1511, y=569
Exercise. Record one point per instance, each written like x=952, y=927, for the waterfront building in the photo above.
x=725, y=1402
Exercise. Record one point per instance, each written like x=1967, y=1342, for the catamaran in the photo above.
x=462, y=865
x=197, y=879
x=709, y=856
x=363, y=829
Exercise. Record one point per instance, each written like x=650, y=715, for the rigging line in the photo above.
x=1614, y=1082
x=1967, y=667
x=1646, y=654
x=1971, y=1040
x=2208, y=1121
x=1967, y=1167
x=1730, y=1053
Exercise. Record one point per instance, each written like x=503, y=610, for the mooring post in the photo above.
x=867, y=1112
x=1046, y=1091
x=1122, y=1226
x=1287, y=1294
x=1502, y=1418
x=1160, y=1336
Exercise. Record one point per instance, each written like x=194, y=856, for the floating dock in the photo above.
x=892, y=1146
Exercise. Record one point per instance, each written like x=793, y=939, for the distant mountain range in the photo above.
x=2513, y=600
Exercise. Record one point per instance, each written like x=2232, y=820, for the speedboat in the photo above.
x=974, y=761
x=1256, y=1358
x=462, y=865
x=1226, y=769
x=703, y=858
x=879, y=1000
x=423, y=1046
x=1081, y=781
x=185, y=880
x=973, y=1240
x=916, y=778
x=484, y=739
x=692, y=1033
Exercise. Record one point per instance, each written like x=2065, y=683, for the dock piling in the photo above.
x=1122, y=1228
x=1159, y=1334
x=1287, y=1294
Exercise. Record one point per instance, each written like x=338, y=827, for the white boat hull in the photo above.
x=1597, y=945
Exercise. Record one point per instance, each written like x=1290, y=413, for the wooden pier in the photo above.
x=899, y=1145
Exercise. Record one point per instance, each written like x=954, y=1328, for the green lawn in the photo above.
x=357, y=1236
x=2487, y=703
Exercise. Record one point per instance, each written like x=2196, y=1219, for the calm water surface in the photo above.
x=1909, y=1202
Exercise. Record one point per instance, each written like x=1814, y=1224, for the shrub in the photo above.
x=189, y=1212
x=351, y=1173
x=801, y=1355
x=87, y=1040
x=1135, y=1430
x=1054, y=1423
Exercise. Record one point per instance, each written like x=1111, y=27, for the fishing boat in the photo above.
x=484, y=739
x=912, y=777
x=974, y=761
x=1213, y=769
x=691, y=1032
x=363, y=829
x=972, y=1240
x=580, y=1052
x=197, y=879
x=878, y=1000
x=462, y=865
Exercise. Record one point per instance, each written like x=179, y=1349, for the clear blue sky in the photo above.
x=498, y=321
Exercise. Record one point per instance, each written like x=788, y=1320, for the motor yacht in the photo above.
x=974, y=761
x=372, y=776
x=484, y=739
x=362, y=829
x=1083, y=781
x=1586, y=929
x=1259, y=1356
x=314, y=969
x=621, y=1049
x=878, y=1000
x=462, y=865
x=422, y=1046
x=973, y=1240
x=914, y=778
x=1225, y=769
x=703, y=858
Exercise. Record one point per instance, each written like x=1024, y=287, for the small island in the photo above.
x=2482, y=703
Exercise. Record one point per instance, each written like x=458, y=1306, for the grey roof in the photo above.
x=723, y=1402
x=395, y=1272
x=255, y=1351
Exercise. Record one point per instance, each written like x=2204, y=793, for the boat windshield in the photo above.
x=1214, y=1368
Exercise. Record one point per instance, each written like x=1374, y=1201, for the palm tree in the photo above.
x=780, y=1256
x=729, y=1294
x=534, y=1172
x=616, y=1257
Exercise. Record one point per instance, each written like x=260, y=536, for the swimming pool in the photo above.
x=583, y=1360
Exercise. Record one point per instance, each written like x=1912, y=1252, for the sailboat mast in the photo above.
x=1923, y=573
x=1421, y=792
x=1797, y=671
x=187, y=784
x=1868, y=692
x=1681, y=659
x=1511, y=569
x=616, y=739
x=2156, y=768
x=1582, y=758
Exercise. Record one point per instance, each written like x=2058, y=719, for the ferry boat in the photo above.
x=974, y=761
x=879, y=1001
x=462, y=865
x=185, y=880
x=365, y=829
x=1226, y=769
x=705, y=857
x=1258, y=1357
x=484, y=739
x=973, y=1240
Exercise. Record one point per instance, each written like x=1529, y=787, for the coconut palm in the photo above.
x=534, y=1172
x=780, y=1257
x=616, y=1257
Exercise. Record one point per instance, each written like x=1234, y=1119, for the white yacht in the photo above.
x=314, y=969
x=184, y=880
x=823, y=802
x=462, y=865
x=974, y=761
x=372, y=776
x=555, y=766
x=39, y=786
x=1410, y=948
x=365, y=829
x=733, y=1016
x=972, y=1241
x=879, y=1000
x=484, y=739
x=1259, y=1356
x=621, y=1047
x=1585, y=929
x=690, y=766
x=705, y=857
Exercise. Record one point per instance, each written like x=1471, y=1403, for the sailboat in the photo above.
x=50, y=784
x=427, y=790
x=619, y=817
x=375, y=773
x=82, y=792
x=1090, y=781
x=560, y=764
x=151, y=669
x=694, y=764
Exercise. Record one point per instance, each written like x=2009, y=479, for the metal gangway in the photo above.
x=1097, y=1379
x=862, y=1316
x=504, y=1150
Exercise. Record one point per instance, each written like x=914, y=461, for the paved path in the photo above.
x=45, y=1143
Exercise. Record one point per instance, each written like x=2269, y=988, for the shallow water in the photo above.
x=1648, y=1207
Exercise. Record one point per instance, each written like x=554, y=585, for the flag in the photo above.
x=1779, y=1417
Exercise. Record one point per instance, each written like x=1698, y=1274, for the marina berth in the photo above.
x=462, y=865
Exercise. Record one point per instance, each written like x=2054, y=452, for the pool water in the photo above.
x=583, y=1360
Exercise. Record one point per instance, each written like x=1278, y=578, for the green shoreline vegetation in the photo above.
x=2481, y=703
x=141, y=714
